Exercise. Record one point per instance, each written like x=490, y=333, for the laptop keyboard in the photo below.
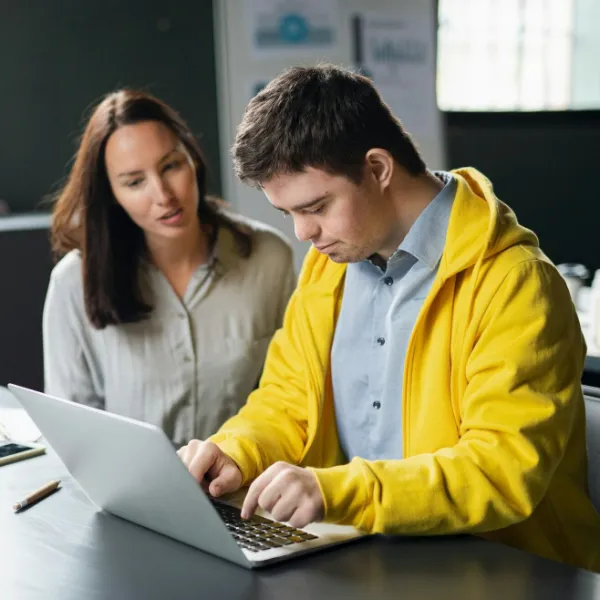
x=259, y=533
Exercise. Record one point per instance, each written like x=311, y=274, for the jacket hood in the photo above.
x=481, y=225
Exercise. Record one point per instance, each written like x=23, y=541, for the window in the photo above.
x=518, y=55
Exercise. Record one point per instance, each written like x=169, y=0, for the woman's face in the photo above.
x=153, y=178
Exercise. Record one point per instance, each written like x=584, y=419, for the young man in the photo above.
x=427, y=377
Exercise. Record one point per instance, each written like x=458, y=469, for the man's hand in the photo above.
x=211, y=467
x=291, y=494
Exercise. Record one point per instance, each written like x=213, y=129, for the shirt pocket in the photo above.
x=226, y=378
x=236, y=365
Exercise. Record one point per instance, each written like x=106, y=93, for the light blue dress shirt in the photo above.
x=378, y=314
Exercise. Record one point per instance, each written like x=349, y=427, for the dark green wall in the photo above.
x=545, y=166
x=58, y=57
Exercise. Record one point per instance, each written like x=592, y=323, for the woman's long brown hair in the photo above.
x=87, y=217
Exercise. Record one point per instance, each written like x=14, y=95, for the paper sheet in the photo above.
x=15, y=423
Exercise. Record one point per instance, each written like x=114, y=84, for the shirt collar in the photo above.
x=426, y=238
x=222, y=257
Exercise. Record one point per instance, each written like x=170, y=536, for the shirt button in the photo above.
x=380, y=341
x=377, y=404
x=187, y=359
x=182, y=315
x=388, y=280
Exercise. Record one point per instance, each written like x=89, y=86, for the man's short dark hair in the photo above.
x=324, y=117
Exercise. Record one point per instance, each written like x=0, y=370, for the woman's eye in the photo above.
x=133, y=183
x=171, y=165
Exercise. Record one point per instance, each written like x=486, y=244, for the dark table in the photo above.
x=63, y=549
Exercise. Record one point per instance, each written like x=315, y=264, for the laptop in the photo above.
x=130, y=469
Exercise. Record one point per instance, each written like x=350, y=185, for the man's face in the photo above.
x=347, y=221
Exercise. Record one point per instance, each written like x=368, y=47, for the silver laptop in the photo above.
x=130, y=469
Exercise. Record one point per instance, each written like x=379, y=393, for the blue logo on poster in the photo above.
x=293, y=28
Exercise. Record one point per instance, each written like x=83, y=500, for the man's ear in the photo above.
x=380, y=164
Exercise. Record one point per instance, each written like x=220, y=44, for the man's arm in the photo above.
x=522, y=394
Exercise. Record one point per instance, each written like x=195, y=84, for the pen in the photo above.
x=44, y=491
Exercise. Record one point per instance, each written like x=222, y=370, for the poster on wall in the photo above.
x=293, y=26
x=397, y=51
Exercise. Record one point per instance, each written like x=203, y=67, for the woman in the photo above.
x=163, y=304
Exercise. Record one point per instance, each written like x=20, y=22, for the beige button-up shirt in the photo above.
x=193, y=363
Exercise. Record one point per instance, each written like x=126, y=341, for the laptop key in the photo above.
x=259, y=519
x=282, y=541
x=263, y=547
x=296, y=538
x=251, y=548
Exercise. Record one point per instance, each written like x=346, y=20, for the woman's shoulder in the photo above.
x=267, y=241
x=66, y=274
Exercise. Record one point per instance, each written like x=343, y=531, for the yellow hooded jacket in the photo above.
x=492, y=410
